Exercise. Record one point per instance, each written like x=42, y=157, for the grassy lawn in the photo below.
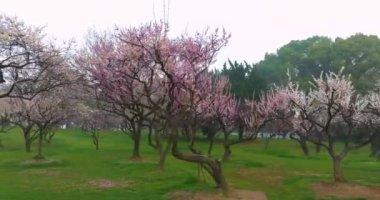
x=78, y=171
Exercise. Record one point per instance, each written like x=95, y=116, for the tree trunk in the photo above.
x=227, y=152
x=211, y=144
x=338, y=173
x=39, y=147
x=28, y=138
x=241, y=132
x=96, y=143
x=95, y=139
x=49, y=136
x=28, y=145
x=212, y=166
x=318, y=146
x=136, y=143
x=375, y=145
x=191, y=137
x=163, y=155
x=155, y=145
x=304, y=147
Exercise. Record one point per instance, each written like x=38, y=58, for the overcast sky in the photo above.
x=257, y=26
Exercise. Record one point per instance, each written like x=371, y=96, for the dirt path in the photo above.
x=233, y=195
x=345, y=190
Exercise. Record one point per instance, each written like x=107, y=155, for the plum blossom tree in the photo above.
x=265, y=113
x=48, y=111
x=93, y=121
x=166, y=76
x=20, y=112
x=332, y=102
x=271, y=106
x=28, y=61
x=220, y=106
x=119, y=71
x=373, y=107
x=39, y=116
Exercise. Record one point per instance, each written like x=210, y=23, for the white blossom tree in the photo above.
x=333, y=110
x=28, y=60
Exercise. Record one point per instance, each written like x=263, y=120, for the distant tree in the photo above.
x=264, y=112
x=93, y=121
x=250, y=80
x=301, y=58
x=359, y=54
x=239, y=76
x=48, y=111
x=304, y=59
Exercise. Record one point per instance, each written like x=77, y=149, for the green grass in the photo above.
x=281, y=171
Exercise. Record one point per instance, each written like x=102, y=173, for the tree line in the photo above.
x=303, y=59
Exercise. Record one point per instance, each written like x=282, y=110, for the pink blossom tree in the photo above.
x=221, y=106
x=121, y=81
x=179, y=65
x=271, y=113
x=166, y=74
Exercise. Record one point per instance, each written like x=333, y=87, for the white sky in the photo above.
x=257, y=26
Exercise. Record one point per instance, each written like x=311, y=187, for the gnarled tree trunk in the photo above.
x=211, y=165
